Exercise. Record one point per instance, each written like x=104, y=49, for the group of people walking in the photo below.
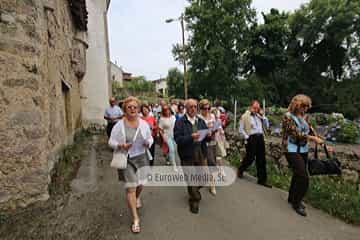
x=179, y=128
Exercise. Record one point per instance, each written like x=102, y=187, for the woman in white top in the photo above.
x=132, y=128
x=166, y=127
x=209, y=119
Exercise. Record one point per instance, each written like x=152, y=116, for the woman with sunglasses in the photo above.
x=166, y=129
x=209, y=119
x=128, y=130
x=297, y=132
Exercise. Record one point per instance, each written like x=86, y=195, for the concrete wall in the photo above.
x=42, y=59
x=117, y=74
x=96, y=87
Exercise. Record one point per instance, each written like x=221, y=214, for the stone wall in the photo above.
x=348, y=155
x=42, y=60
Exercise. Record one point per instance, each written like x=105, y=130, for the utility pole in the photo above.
x=184, y=56
x=182, y=19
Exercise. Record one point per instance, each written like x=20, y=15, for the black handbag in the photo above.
x=328, y=166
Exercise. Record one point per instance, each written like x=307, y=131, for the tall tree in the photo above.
x=219, y=37
x=266, y=54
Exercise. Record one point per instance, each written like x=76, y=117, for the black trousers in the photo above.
x=300, y=179
x=152, y=152
x=255, y=150
x=109, y=128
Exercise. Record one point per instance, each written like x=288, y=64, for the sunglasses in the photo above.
x=205, y=108
x=131, y=107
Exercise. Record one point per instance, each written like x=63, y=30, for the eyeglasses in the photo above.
x=131, y=107
x=206, y=108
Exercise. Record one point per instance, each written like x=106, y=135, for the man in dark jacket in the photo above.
x=191, y=151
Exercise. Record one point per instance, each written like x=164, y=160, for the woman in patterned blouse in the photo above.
x=297, y=132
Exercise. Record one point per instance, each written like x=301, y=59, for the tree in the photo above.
x=314, y=51
x=140, y=84
x=219, y=35
x=175, y=82
x=327, y=33
x=326, y=44
x=311, y=51
x=266, y=54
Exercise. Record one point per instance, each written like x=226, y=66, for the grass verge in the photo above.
x=328, y=193
x=67, y=166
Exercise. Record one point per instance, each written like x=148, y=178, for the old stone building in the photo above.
x=42, y=63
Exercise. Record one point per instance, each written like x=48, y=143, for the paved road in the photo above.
x=96, y=209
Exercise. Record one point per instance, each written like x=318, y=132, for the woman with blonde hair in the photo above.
x=128, y=130
x=297, y=132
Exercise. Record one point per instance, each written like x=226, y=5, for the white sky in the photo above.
x=141, y=41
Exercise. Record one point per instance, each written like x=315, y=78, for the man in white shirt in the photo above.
x=112, y=115
x=252, y=126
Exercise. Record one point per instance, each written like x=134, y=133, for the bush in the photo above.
x=274, y=119
x=277, y=110
x=321, y=118
x=327, y=119
x=347, y=133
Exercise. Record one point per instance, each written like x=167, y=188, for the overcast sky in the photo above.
x=141, y=41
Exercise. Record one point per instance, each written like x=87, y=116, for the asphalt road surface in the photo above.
x=96, y=209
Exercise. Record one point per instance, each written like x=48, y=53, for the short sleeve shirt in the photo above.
x=113, y=112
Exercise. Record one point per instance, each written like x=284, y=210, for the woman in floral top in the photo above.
x=297, y=132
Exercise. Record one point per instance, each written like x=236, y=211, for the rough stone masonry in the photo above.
x=42, y=61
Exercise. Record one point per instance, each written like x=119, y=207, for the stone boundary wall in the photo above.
x=42, y=61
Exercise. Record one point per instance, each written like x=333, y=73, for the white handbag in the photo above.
x=120, y=156
x=119, y=159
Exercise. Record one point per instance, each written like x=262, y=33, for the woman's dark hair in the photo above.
x=144, y=106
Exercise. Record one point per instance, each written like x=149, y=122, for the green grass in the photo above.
x=328, y=193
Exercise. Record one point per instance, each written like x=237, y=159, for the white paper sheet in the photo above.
x=137, y=148
x=203, y=133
